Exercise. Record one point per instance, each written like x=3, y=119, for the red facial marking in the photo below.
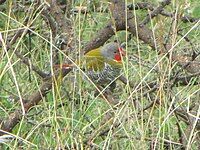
x=118, y=57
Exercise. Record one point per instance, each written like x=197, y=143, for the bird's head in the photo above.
x=113, y=51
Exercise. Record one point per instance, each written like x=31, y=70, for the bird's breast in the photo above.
x=104, y=76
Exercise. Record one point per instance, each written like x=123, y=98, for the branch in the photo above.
x=118, y=23
x=33, y=100
x=155, y=12
x=27, y=62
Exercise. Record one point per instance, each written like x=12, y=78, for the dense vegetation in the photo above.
x=155, y=104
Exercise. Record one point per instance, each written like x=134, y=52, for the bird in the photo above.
x=102, y=65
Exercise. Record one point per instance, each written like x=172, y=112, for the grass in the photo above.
x=71, y=113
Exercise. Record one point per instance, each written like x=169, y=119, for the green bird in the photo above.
x=102, y=65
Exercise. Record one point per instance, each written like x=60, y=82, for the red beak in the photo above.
x=122, y=52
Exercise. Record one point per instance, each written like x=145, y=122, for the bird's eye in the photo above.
x=115, y=52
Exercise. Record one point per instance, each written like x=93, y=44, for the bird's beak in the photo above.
x=122, y=51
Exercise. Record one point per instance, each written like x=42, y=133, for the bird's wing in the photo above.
x=93, y=60
x=94, y=63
